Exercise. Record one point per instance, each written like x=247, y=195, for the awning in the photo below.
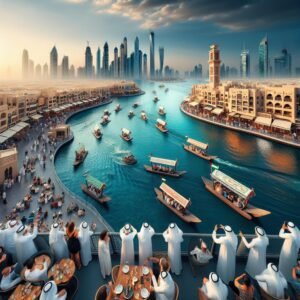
x=25, y=119
x=126, y=131
x=197, y=144
x=158, y=160
x=231, y=184
x=217, y=111
x=161, y=122
x=194, y=104
x=3, y=139
x=8, y=133
x=23, y=124
x=232, y=114
x=95, y=182
x=282, y=124
x=174, y=195
x=263, y=121
x=16, y=128
x=36, y=117
x=209, y=108
x=248, y=118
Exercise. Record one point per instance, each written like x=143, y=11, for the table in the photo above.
x=63, y=271
x=127, y=279
x=26, y=292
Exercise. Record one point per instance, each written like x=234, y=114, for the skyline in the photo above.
x=185, y=42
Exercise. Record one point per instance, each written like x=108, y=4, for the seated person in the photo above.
x=245, y=287
x=296, y=278
x=202, y=254
x=214, y=288
x=36, y=269
x=10, y=277
x=159, y=264
x=49, y=292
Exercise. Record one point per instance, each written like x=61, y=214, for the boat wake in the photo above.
x=118, y=154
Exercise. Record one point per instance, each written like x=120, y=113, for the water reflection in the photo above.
x=281, y=161
x=238, y=145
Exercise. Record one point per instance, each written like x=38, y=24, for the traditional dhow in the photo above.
x=163, y=166
x=135, y=105
x=94, y=188
x=161, y=125
x=97, y=132
x=144, y=116
x=161, y=111
x=106, y=113
x=234, y=194
x=176, y=203
x=105, y=120
x=198, y=148
x=155, y=99
x=126, y=135
x=129, y=159
x=118, y=108
x=80, y=156
x=130, y=114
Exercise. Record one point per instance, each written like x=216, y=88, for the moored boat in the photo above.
x=144, y=116
x=129, y=159
x=198, y=148
x=176, y=203
x=135, y=105
x=161, y=125
x=80, y=156
x=94, y=188
x=161, y=111
x=155, y=99
x=125, y=135
x=106, y=113
x=234, y=194
x=131, y=114
x=105, y=120
x=97, y=132
x=118, y=108
x=163, y=167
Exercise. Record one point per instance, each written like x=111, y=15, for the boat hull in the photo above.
x=175, y=174
x=129, y=162
x=187, y=217
x=98, y=137
x=126, y=139
x=206, y=157
x=79, y=162
x=104, y=123
x=162, y=130
x=101, y=200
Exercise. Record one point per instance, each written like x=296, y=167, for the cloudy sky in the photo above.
x=184, y=28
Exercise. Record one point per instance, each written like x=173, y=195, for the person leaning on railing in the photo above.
x=73, y=243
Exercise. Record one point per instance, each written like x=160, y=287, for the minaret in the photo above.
x=214, y=66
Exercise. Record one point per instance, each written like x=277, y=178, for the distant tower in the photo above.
x=25, y=64
x=53, y=63
x=98, y=63
x=263, y=57
x=152, y=53
x=161, y=60
x=105, y=63
x=245, y=64
x=31, y=68
x=88, y=62
x=214, y=66
x=115, y=70
x=45, y=71
x=140, y=63
x=125, y=55
x=38, y=71
x=145, y=68
x=65, y=67
x=122, y=60
x=136, y=58
x=72, y=71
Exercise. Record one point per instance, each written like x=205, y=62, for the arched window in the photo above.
x=278, y=98
x=10, y=172
x=287, y=106
x=278, y=105
x=269, y=104
x=287, y=98
x=269, y=97
x=6, y=173
x=3, y=115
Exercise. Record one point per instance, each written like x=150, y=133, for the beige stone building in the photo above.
x=8, y=164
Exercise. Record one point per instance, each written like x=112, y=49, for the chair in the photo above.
x=176, y=297
x=115, y=272
x=101, y=293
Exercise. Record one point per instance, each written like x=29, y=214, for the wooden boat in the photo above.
x=131, y=114
x=125, y=135
x=129, y=159
x=163, y=166
x=238, y=190
x=161, y=111
x=144, y=116
x=161, y=125
x=135, y=105
x=105, y=120
x=80, y=156
x=176, y=203
x=155, y=99
x=118, y=108
x=198, y=148
x=97, y=132
x=106, y=113
x=94, y=188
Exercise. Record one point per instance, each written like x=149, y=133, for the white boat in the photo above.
x=105, y=120
x=97, y=132
x=144, y=116
x=161, y=111
x=161, y=125
x=126, y=135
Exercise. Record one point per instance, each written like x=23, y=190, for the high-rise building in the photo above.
x=145, y=68
x=263, y=57
x=245, y=64
x=53, y=63
x=31, y=68
x=105, y=63
x=65, y=67
x=125, y=55
x=88, y=62
x=98, y=62
x=152, y=55
x=115, y=69
x=214, y=66
x=45, y=71
x=140, y=63
x=161, y=60
x=136, y=69
x=25, y=64
x=38, y=71
x=72, y=72
x=131, y=63
x=122, y=60
x=283, y=64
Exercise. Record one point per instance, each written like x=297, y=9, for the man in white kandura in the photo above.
x=202, y=254
x=227, y=253
x=145, y=242
x=9, y=237
x=84, y=237
x=58, y=243
x=104, y=254
x=50, y=292
x=214, y=288
x=36, y=269
x=127, y=234
x=272, y=281
x=173, y=236
x=24, y=240
x=289, y=251
x=257, y=261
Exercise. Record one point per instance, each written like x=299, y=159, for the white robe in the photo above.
x=145, y=243
x=202, y=257
x=37, y=274
x=165, y=290
x=52, y=294
x=289, y=251
x=127, y=250
x=257, y=261
x=227, y=255
x=9, y=240
x=173, y=236
x=58, y=243
x=2, y=237
x=215, y=290
x=84, y=237
x=104, y=258
x=8, y=282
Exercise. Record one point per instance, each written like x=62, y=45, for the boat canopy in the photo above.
x=232, y=184
x=161, y=122
x=96, y=128
x=161, y=108
x=143, y=114
x=158, y=160
x=174, y=195
x=126, y=131
x=197, y=144
x=105, y=117
x=94, y=182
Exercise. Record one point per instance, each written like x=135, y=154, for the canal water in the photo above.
x=273, y=170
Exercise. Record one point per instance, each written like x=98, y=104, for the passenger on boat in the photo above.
x=202, y=254
x=214, y=288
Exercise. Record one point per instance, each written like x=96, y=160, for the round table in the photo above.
x=63, y=271
x=26, y=291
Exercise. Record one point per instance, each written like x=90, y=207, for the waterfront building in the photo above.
x=65, y=67
x=38, y=71
x=245, y=64
x=53, y=63
x=105, y=63
x=283, y=64
x=136, y=58
x=122, y=61
x=214, y=66
x=45, y=71
x=161, y=61
x=88, y=62
x=263, y=57
x=116, y=64
x=98, y=62
x=145, y=68
x=152, y=55
x=25, y=64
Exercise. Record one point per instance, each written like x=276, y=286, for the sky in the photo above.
x=185, y=29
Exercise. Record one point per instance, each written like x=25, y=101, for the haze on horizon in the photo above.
x=184, y=28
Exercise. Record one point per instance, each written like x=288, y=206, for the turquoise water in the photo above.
x=273, y=170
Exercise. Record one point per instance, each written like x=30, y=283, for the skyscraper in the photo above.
x=214, y=66
x=263, y=57
x=125, y=55
x=72, y=72
x=131, y=64
x=140, y=63
x=53, y=63
x=65, y=67
x=161, y=60
x=122, y=60
x=25, y=64
x=98, y=63
x=283, y=64
x=45, y=71
x=88, y=62
x=38, y=71
x=31, y=68
x=152, y=55
x=145, y=67
x=136, y=58
x=115, y=70
x=245, y=64
x=105, y=63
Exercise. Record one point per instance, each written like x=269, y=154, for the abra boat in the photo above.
x=135, y=105
x=176, y=203
x=105, y=120
x=161, y=111
x=94, y=188
x=130, y=114
x=125, y=135
x=80, y=156
x=118, y=108
x=155, y=99
x=129, y=159
x=106, y=113
x=234, y=194
x=144, y=116
x=161, y=125
x=97, y=132
x=198, y=148
x=163, y=167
